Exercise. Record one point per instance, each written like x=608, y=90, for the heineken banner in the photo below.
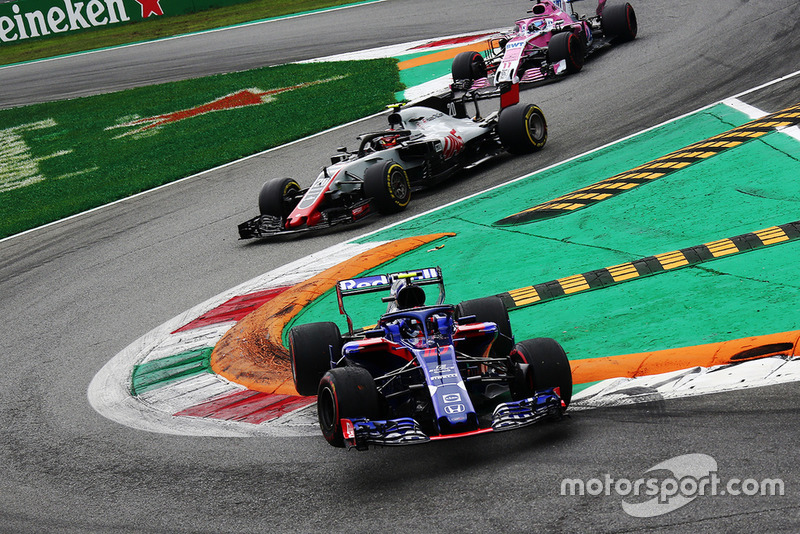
x=29, y=19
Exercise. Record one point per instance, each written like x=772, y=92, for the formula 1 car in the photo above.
x=423, y=145
x=425, y=373
x=553, y=41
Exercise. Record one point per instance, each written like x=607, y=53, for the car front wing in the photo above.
x=360, y=433
x=269, y=225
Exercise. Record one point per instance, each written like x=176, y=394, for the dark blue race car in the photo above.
x=422, y=372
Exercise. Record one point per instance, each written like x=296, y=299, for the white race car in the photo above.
x=423, y=145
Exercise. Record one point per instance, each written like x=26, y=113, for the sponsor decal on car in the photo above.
x=382, y=280
x=453, y=144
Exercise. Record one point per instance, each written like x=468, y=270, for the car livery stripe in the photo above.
x=653, y=170
x=240, y=354
x=660, y=263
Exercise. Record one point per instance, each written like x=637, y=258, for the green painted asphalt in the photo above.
x=745, y=189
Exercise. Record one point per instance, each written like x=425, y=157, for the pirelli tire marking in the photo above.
x=660, y=263
x=403, y=188
x=653, y=170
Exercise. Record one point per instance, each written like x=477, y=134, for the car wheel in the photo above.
x=619, y=22
x=388, y=185
x=490, y=310
x=522, y=128
x=310, y=349
x=468, y=66
x=569, y=47
x=345, y=393
x=548, y=365
x=278, y=197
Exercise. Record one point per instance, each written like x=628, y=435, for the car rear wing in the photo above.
x=387, y=282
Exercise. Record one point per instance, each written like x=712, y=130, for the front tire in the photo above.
x=388, y=185
x=278, y=197
x=310, y=349
x=548, y=365
x=345, y=393
x=569, y=47
x=468, y=66
x=522, y=128
x=619, y=22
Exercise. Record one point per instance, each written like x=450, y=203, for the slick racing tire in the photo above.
x=547, y=364
x=388, y=185
x=522, y=128
x=344, y=393
x=569, y=47
x=490, y=310
x=619, y=22
x=311, y=347
x=278, y=197
x=468, y=66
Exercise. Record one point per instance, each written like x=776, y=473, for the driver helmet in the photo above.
x=536, y=25
x=388, y=141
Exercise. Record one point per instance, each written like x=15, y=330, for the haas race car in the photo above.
x=554, y=40
x=425, y=373
x=423, y=145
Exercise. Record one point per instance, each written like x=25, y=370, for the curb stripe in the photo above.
x=655, y=169
x=600, y=278
x=234, y=309
x=442, y=55
x=248, y=407
x=155, y=374
x=664, y=361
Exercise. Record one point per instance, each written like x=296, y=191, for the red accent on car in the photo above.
x=348, y=430
x=463, y=434
x=510, y=97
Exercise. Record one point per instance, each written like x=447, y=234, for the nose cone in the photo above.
x=295, y=221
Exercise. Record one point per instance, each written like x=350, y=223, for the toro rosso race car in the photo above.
x=425, y=373
x=423, y=145
x=554, y=40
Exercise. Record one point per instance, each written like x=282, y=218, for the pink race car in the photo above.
x=554, y=40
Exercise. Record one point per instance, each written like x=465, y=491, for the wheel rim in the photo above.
x=536, y=127
x=399, y=186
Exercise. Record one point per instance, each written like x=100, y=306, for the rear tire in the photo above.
x=345, y=393
x=310, y=354
x=388, y=185
x=619, y=22
x=491, y=310
x=548, y=365
x=278, y=197
x=468, y=66
x=569, y=47
x=522, y=128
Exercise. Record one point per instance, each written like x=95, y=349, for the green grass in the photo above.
x=157, y=28
x=62, y=158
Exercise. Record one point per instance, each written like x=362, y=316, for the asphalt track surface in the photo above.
x=74, y=294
